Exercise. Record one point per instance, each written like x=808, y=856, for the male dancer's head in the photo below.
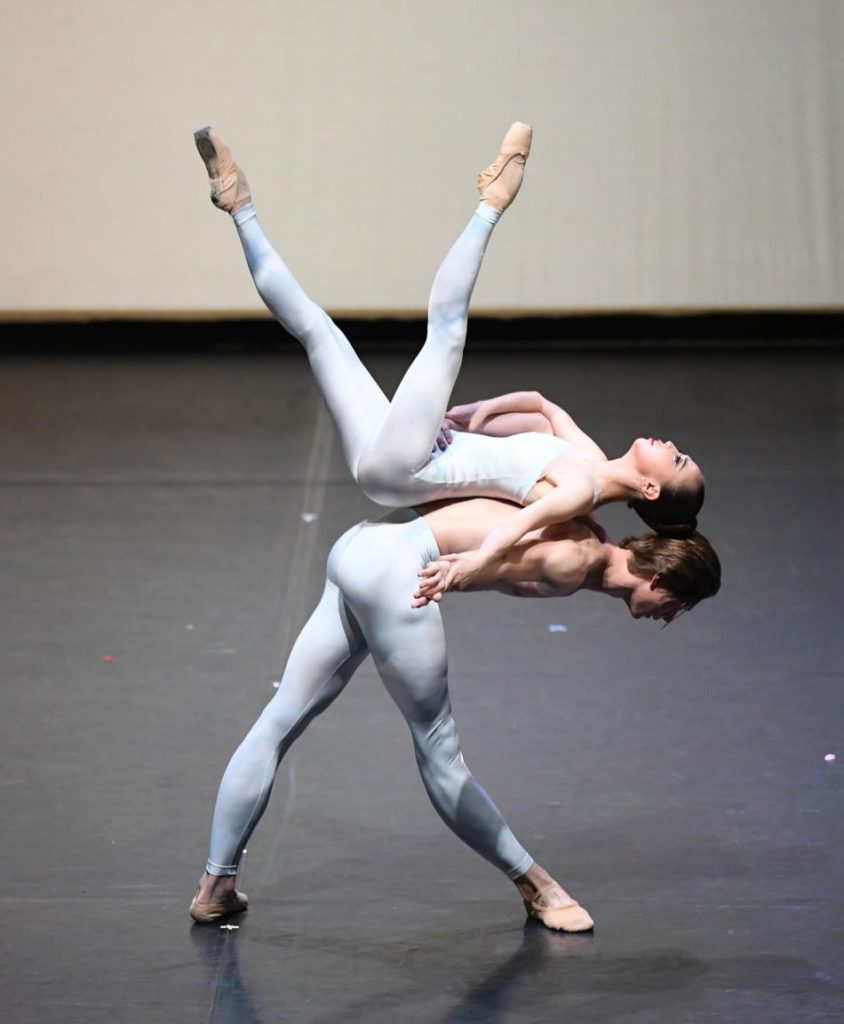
x=676, y=574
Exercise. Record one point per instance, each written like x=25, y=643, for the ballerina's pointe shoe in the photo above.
x=501, y=181
x=231, y=902
x=570, y=917
x=229, y=187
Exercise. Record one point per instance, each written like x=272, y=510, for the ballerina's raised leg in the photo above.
x=385, y=443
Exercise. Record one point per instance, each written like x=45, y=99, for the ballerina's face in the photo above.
x=663, y=463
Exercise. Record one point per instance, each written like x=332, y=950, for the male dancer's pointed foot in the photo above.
x=216, y=907
x=229, y=187
x=500, y=182
x=565, y=917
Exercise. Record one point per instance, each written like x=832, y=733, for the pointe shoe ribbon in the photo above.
x=229, y=187
x=570, y=917
x=212, y=910
x=500, y=182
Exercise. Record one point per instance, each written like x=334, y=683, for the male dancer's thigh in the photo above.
x=377, y=574
x=376, y=570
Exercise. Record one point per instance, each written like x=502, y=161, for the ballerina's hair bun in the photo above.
x=673, y=514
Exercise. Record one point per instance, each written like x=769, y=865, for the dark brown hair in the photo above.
x=674, y=512
x=688, y=568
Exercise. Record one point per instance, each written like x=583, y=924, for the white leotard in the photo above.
x=494, y=467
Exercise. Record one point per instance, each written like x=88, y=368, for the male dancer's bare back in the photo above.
x=555, y=561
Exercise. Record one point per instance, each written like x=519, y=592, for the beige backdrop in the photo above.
x=688, y=153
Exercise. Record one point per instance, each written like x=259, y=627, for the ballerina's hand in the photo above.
x=459, y=416
x=444, y=437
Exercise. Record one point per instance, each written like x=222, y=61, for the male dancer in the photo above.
x=372, y=572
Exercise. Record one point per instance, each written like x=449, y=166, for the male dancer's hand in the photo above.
x=458, y=571
x=432, y=579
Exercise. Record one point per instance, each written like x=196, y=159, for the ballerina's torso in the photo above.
x=518, y=467
x=561, y=468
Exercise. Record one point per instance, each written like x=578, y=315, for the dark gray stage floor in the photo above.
x=160, y=513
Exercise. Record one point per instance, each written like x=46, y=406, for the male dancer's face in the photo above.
x=651, y=601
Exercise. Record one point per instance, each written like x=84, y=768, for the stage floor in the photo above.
x=164, y=527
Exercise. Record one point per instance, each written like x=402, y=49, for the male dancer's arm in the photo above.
x=561, y=570
x=434, y=575
x=571, y=499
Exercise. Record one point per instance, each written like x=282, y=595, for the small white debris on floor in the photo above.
x=230, y=927
x=557, y=627
x=829, y=757
x=310, y=517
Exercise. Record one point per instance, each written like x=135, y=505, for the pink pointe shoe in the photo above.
x=570, y=917
x=229, y=187
x=231, y=902
x=500, y=182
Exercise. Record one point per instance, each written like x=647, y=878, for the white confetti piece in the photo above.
x=829, y=757
x=310, y=517
x=230, y=927
x=276, y=683
x=557, y=627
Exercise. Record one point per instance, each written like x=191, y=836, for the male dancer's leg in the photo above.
x=417, y=681
x=415, y=676
x=325, y=656
x=408, y=647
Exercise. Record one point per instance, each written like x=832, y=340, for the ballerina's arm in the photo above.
x=521, y=412
x=469, y=568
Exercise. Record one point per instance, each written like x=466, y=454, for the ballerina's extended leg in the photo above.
x=384, y=443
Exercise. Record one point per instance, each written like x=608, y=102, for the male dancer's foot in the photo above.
x=501, y=181
x=548, y=902
x=229, y=187
x=216, y=897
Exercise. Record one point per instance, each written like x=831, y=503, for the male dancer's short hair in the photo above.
x=688, y=568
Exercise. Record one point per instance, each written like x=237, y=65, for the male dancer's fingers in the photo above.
x=427, y=588
x=431, y=582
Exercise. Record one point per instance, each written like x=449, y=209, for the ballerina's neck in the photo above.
x=616, y=480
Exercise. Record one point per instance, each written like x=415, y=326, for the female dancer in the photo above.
x=388, y=445
x=365, y=609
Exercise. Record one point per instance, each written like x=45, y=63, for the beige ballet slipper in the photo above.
x=501, y=181
x=205, y=912
x=229, y=187
x=570, y=917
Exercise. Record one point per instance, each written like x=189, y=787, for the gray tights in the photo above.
x=365, y=609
